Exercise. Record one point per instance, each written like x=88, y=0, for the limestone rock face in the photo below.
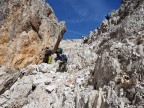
x=26, y=28
x=119, y=68
x=8, y=77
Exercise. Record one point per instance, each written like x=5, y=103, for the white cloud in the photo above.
x=84, y=8
x=83, y=12
x=88, y=19
x=87, y=10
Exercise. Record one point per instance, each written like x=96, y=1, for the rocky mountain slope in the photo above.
x=119, y=68
x=54, y=89
x=108, y=72
x=26, y=28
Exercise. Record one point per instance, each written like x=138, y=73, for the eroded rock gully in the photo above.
x=108, y=72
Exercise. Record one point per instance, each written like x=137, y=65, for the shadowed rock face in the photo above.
x=120, y=48
x=26, y=28
x=119, y=44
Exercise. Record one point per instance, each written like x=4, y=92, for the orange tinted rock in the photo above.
x=28, y=26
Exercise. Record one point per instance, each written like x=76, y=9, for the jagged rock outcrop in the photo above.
x=8, y=77
x=26, y=28
x=119, y=68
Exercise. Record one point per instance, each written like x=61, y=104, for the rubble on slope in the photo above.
x=43, y=86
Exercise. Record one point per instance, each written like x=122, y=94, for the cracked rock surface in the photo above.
x=26, y=28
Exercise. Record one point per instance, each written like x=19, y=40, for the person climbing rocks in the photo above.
x=33, y=87
x=58, y=52
x=63, y=63
x=62, y=60
x=108, y=16
x=48, y=56
x=85, y=39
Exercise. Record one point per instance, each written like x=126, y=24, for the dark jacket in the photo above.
x=47, y=53
x=63, y=58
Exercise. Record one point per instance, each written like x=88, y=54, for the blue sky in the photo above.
x=82, y=16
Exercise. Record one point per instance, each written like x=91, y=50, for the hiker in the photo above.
x=108, y=16
x=48, y=57
x=33, y=87
x=58, y=52
x=63, y=63
x=63, y=60
x=85, y=39
x=91, y=35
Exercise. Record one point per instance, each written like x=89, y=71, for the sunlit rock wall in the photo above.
x=26, y=28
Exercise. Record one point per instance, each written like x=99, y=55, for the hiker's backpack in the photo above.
x=48, y=52
x=108, y=16
x=63, y=58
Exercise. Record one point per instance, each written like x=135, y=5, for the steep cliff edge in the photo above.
x=26, y=28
